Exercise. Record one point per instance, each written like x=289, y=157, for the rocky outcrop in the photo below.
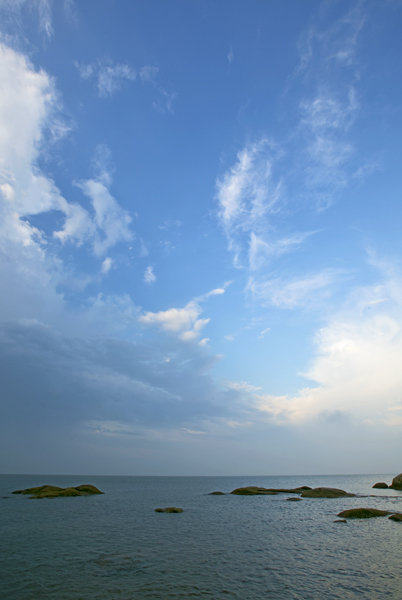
x=253, y=490
x=381, y=485
x=340, y=521
x=169, y=509
x=326, y=493
x=363, y=513
x=52, y=491
x=397, y=483
x=216, y=494
x=396, y=517
x=293, y=499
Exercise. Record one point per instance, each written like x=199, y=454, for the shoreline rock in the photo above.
x=381, y=485
x=53, y=491
x=169, y=509
x=397, y=482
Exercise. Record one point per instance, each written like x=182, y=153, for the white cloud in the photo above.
x=182, y=322
x=112, y=221
x=357, y=367
x=143, y=250
x=230, y=55
x=149, y=275
x=109, y=76
x=106, y=265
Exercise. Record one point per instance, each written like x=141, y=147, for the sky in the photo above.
x=200, y=237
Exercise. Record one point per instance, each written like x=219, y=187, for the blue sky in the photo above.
x=200, y=246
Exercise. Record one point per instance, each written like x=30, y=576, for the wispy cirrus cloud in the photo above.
x=288, y=293
x=109, y=76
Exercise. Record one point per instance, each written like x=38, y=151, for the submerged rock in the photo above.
x=169, y=509
x=293, y=499
x=52, y=491
x=340, y=521
x=216, y=494
x=381, y=485
x=363, y=513
x=397, y=483
x=326, y=493
x=396, y=517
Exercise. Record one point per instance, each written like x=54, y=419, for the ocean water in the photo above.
x=115, y=547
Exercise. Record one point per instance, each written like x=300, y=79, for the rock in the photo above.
x=396, y=517
x=216, y=494
x=340, y=521
x=253, y=490
x=363, y=513
x=397, y=483
x=293, y=499
x=326, y=493
x=52, y=491
x=381, y=485
x=169, y=509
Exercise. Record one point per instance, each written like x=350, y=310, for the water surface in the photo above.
x=115, y=546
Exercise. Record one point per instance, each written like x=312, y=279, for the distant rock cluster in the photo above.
x=395, y=485
x=52, y=491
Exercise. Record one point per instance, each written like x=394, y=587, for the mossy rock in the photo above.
x=326, y=493
x=253, y=490
x=169, y=509
x=396, y=517
x=363, y=513
x=52, y=491
x=216, y=494
x=381, y=485
x=293, y=499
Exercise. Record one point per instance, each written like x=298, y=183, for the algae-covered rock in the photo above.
x=380, y=485
x=169, y=509
x=293, y=499
x=340, y=521
x=326, y=493
x=397, y=483
x=216, y=494
x=253, y=490
x=363, y=513
x=52, y=491
x=396, y=517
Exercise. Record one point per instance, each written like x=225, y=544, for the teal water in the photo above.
x=115, y=547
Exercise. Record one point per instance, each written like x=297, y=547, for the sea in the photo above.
x=116, y=547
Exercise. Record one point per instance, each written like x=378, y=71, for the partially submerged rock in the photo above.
x=363, y=513
x=293, y=499
x=253, y=490
x=340, y=521
x=52, y=491
x=324, y=492
x=396, y=517
x=397, y=483
x=169, y=509
x=380, y=485
x=216, y=494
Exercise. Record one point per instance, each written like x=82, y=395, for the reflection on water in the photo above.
x=247, y=547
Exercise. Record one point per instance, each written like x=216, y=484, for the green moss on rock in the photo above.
x=52, y=491
x=363, y=513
